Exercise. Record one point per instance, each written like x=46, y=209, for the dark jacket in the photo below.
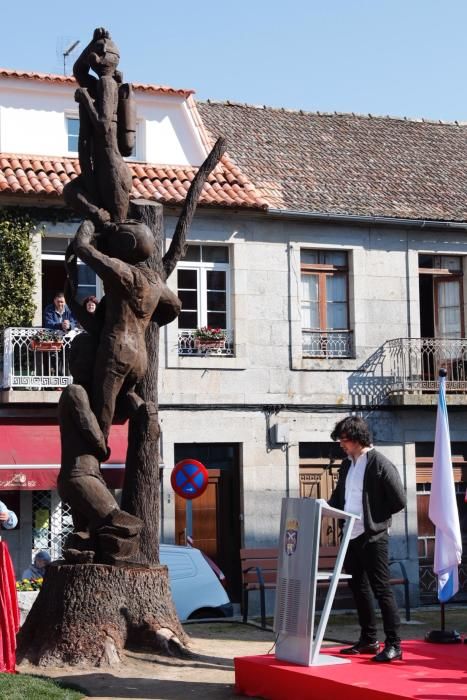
x=53, y=320
x=383, y=493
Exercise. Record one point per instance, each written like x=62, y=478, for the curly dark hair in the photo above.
x=90, y=298
x=353, y=428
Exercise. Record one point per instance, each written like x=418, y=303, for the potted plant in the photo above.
x=46, y=339
x=27, y=591
x=209, y=337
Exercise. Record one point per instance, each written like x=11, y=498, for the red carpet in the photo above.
x=427, y=672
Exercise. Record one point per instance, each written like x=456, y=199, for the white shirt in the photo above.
x=354, y=491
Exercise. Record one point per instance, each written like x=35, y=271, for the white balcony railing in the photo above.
x=188, y=344
x=327, y=343
x=24, y=366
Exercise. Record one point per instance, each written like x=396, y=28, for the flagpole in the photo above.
x=444, y=515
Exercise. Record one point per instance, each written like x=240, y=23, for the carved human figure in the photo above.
x=107, y=131
x=97, y=518
x=134, y=295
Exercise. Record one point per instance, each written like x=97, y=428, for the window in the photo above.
x=203, y=282
x=324, y=303
x=203, y=287
x=54, y=274
x=441, y=296
x=72, y=125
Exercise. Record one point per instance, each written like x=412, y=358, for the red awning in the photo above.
x=30, y=456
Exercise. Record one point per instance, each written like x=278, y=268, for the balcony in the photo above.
x=26, y=366
x=188, y=344
x=329, y=344
x=405, y=371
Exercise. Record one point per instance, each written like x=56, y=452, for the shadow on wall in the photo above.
x=369, y=385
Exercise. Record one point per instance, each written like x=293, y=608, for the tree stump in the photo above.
x=88, y=613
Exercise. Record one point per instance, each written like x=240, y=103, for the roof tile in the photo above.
x=343, y=163
x=35, y=175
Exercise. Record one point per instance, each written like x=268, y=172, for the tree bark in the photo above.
x=88, y=613
x=141, y=487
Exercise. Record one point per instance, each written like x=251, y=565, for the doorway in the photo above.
x=216, y=514
x=425, y=528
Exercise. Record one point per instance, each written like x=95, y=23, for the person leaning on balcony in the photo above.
x=57, y=316
x=369, y=486
x=8, y=518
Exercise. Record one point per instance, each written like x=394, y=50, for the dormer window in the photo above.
x=72, y=125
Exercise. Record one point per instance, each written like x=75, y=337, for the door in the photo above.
x=318, y=481
x=216, y=514
x=426, y=529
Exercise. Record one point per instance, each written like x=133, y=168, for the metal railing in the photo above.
x=413, y=364
x=27, y=365
x=189, y=344
x=327, y=343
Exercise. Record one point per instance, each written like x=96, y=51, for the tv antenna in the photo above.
x=67, y=52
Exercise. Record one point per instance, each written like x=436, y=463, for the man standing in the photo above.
x=57, y=316
x=369, y=486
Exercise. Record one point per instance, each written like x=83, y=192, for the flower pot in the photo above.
x=201, y=344
x=45, y=345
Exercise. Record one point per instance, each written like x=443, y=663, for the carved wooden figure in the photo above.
x=132, y=295
x=103, y=533
x=95, y=609
x=102, y=191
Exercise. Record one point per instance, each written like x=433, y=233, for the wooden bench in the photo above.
x=259, y=573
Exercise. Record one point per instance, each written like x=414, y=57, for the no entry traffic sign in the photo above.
x=189, y=478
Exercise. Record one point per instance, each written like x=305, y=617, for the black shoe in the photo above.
x=361, y=648
x=389, y=653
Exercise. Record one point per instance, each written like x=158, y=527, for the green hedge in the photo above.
x=17, y=278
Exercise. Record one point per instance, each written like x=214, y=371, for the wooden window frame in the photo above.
x=323, y=271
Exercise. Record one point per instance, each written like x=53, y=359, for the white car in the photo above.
x=196, y=590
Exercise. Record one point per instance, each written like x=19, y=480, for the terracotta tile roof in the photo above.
x=37, y=175
x=345, y=163
x=69, y=80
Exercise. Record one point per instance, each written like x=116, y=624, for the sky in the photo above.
x=397, y=57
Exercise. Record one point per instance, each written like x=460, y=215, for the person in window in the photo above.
x=369, y=486
x=57, y=316
x=8, y=519
x=39, y=565
x=90, y=304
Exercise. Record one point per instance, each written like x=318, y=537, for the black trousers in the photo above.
x=368, y=563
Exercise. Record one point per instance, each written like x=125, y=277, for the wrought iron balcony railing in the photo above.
x=327, y=343
x=414, y=363
x=26, y=364
x=189, y=344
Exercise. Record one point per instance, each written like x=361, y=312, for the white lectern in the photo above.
x=297, y=576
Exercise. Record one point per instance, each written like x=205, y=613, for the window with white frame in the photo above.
x=72, y=127
x=54, y=275
x=204, y=287
x=324, y=303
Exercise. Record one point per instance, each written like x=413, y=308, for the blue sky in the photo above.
x=398, y=57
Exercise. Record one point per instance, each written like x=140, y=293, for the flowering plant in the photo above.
x=29, y=584
x=46, y=335
x=209, y=333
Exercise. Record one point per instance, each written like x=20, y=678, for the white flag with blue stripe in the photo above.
x=443, y=506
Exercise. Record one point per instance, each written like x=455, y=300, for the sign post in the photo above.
x=189, y=479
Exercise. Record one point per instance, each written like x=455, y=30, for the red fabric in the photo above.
x=9, y=612
x=426, y=671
